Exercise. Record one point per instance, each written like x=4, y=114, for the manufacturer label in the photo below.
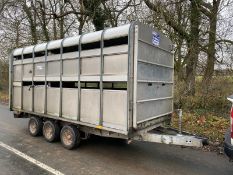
x=155, y=39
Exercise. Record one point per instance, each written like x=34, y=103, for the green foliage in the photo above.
x=4, y=75
x=208, y=125
x=3, y=96
x=206, y=113
x=214, y=100
x=96, y=12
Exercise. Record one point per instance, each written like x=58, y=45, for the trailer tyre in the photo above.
x=70, y=137
x=35, y=125
x=51, y=131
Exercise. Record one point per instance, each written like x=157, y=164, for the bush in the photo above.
x=214, y=100
x=208, y=125
x=205, y=113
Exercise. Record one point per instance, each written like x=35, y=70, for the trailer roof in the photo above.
x=17, y=51
x=28, y=49
x=71, y=41
x=40, y=47
x=91, y=37
x=109, y=33
x=54, y=44
x=117, y=32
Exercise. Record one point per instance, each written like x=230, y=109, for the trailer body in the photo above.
x=117, y=82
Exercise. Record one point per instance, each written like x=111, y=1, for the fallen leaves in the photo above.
x=4, y=97
x=211, y=126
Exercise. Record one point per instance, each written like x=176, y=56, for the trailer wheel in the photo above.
x=35, y=125
x=70, y=137
x=51, y=131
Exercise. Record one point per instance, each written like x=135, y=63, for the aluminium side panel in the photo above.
x=89, y=62
x=27, y=98
x=39, y=69
x=70, y=68
x=154, y=89
x=115, y=69
x=53, y=69
x=17, y=72
x=27, y=72
x=90, y=106
x=27, y=68
x=16, y=84
x=53, y=95
x=39, y=94
x=70, y=103
x=17, y=97
x=116, y=64
x=115, y=109
x=89, y=66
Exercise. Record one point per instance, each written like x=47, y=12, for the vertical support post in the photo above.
x=128, y=77
x=61, y=74
x=79, y=75
x=132, y=76
x=22, y=70
x=180, y=120
x=173, y=58
x=33, y=74
x=11, y=73
x=101, y=77
x=45, y=76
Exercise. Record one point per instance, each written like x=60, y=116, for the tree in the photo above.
x=211, y=11
x=116, y=10
x=31, y=17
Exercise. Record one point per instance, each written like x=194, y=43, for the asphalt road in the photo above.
x=101, y=155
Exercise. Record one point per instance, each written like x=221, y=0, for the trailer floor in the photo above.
x=101, y=155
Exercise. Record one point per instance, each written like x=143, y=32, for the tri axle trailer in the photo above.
x=117, y=82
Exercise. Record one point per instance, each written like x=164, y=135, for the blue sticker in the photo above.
x=155, y=39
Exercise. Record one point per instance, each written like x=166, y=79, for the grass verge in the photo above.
x=207, y=125
x=4, y=97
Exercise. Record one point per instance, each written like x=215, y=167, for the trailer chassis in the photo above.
x=156, y=133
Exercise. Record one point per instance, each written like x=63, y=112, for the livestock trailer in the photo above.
x=117, y=82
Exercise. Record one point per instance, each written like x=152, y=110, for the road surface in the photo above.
x=101, y=155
